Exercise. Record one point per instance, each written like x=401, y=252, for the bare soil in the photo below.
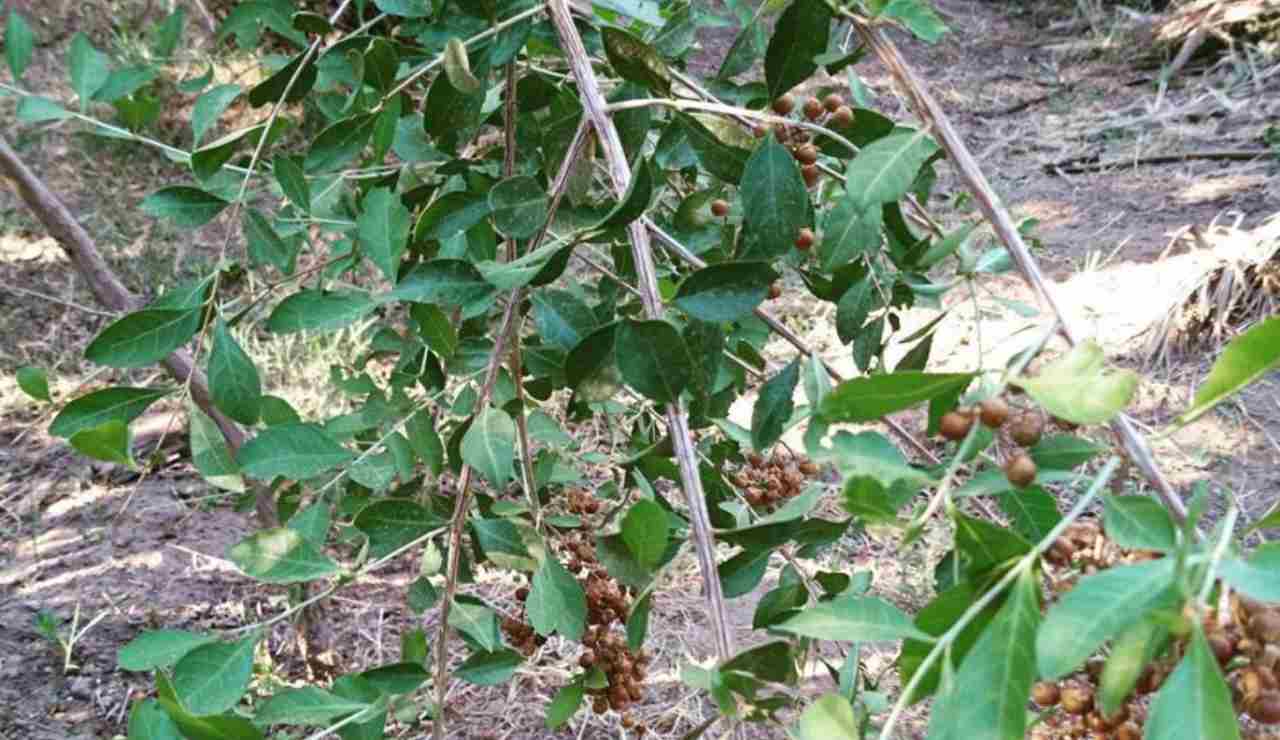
x=149, y=553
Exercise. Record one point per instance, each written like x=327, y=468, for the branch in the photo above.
x=967, y=167
x=677, y=420
x=110, y=292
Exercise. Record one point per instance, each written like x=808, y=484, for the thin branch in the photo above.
x=677, y=420
x=967, y=167
x=1092, y=164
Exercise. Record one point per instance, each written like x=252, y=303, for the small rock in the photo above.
x=81, y=688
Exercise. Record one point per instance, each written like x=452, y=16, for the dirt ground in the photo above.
x=1029, y=100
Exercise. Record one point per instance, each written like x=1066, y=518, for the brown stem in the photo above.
x=462, y=504
x=677, y=420
x=928, y=109
x=110, y=292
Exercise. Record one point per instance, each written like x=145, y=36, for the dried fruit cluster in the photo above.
x=624, y=670
x=830, y=110
x=768, y=483
x=1249, y=645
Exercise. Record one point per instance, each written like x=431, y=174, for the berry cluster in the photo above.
x=624, y=670
x=1250, y=645
x=768, y=483
x=519, y=633
x=1024, y=429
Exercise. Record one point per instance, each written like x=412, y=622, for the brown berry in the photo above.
x=994, y=412
x=600, y=705
x=808, y=467
x=759, y=130
x=1077, y=699
x=719, y=208
x=628, y=721
x=775, y=290
x=1045, y=693
x=807, y=154
x=1223, y=647
x=812, y=109
x=587, y=659
x=811, y=174
x=1020, y=470
x=784, y=105
x=955, y=425
x=843, y=116
x=522, y=593
x=1264, y=626
x=1026, y=430
x=1266, y=708
x=804, y=239
x=832, y=102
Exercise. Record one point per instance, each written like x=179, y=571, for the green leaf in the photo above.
x=405, y=8
x=293, y=181
x=457, y=67
x=19, y=42
x=1139, y=523
x=309, y=705
x=829, y=717
x=435, y=328
x=1099, y=608
x=396, y=678
x=425, y=441
x=870, y=398
x=147, y=720
x=187, y=207
x=884, y=171
x=936, y=618
x=168, y=33
x=142, y=338
x=518, y=206
x=490, y=668
x=294, y=451
x=211, y=455
x=281, y=555
x=211, y=678
x=740, y=574
x=1245, y=359
x=209, y=107
x=634, y=202
x=319, y=310
x=918, y=16
x=88, y=67
x=452, y=117
x=719, y=159
x=392, y=523
x=1077, y=388
x=653, y=359
x=264, y=245
x=853, y=308
x=988, y=696
x=636, y=61
x=338, y=144
x=125, y=82
x=849, y=231
x=519, y=272
x=217, y=727
x=1258, y=575
x=1032, y=511
x=445, y=281
x=159, y=649
x=108, y=441
x=1194, y=701
x=37, y=109
x=477, y=622
x=726, y=291
x=562, y=319
x=801, y=35
x=645, y=529
x=871, y=454
x=272, y=89
x=867, y=498
x=556, y=601
x=774, y=406
x=853, y=619
x=32, y=380
x=89, y=411
x=383, y=227
x=775, y=202
x=565, y=704
x=1064, y=452
x=233, y=380
x=1131, y=652
x=489, y=445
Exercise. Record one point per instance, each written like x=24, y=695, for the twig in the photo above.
x=1092, y=164
x=929, y=110
x=677, y=420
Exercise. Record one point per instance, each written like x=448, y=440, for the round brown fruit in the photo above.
x=1045, y=693
x=954, y=425
x=1128, y=731
x=784, y=104
x=1266, y=708
x=522, y=593
x=808, y=467
x=759, y=130
x=843, y=116
x=1265, y=626
x=811, y=174
x=804, y=239
x=994, y=412
x=807, y=154
x=832, y=102
x=1077, y=699
x=775, y=291
x=1223, y=647
x=1020, y=470
x=719, y=208
x=1026, y=430
x=812, y=109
